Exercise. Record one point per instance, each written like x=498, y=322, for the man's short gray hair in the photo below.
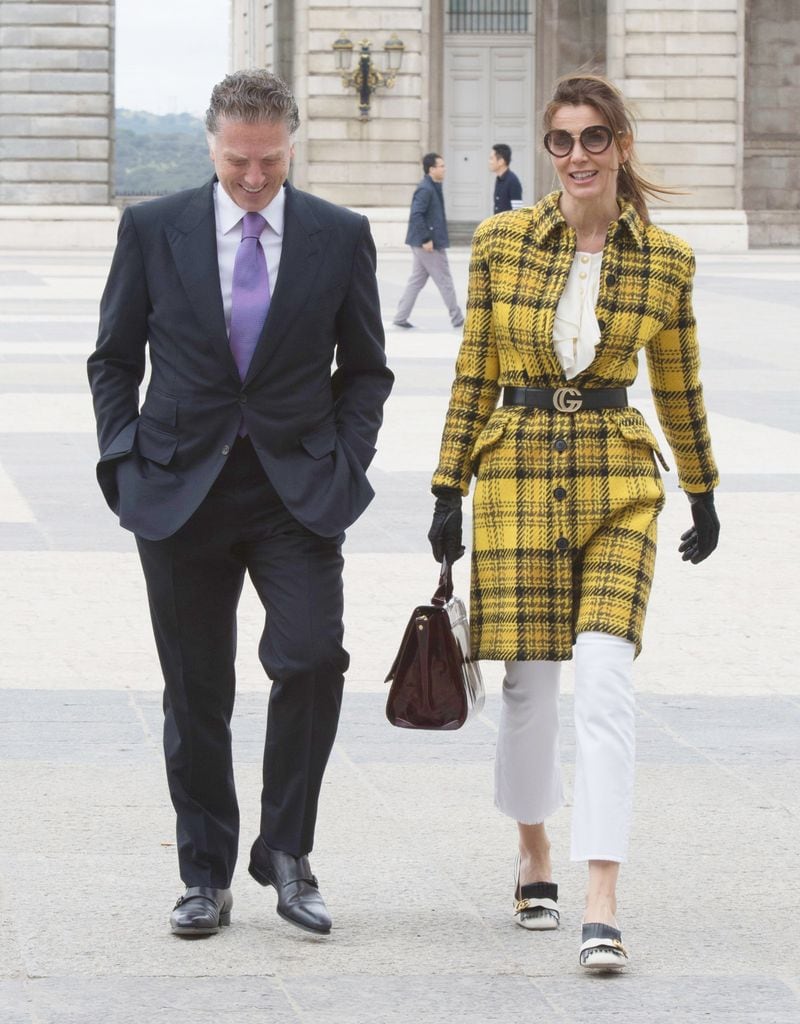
x=252, y=96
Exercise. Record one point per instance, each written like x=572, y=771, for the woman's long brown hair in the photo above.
x=596, y=91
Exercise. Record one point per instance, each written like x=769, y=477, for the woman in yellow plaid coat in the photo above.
x=562, y=297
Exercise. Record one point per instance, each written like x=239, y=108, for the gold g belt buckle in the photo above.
x=567, y=399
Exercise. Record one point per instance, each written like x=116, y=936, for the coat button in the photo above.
x=226, y=449
x=562, y=543
x=560, y=445
x=601, y=324
x=559, y=493
x=611, y=280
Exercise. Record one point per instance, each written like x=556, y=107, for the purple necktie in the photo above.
x=250, y=296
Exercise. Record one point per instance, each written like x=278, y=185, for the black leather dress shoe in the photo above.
x=299, y=900
x=201, y=911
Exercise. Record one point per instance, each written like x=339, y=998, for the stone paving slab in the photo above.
x=415, y=861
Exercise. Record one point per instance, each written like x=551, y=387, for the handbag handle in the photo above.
x=445, y=589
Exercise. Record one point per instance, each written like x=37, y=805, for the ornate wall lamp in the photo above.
x=366, y=78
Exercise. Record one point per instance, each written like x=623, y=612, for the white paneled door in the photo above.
x=488, y=98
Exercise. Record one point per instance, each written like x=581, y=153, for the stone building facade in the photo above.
x=716, y=85
x=56, y=121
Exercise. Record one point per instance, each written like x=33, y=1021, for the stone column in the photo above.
x=252, y=37
x=680, y=63
x=772, y=124
x=56, y=123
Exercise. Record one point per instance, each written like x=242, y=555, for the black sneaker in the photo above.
x=403, y=323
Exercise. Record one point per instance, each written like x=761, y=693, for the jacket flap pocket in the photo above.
x=122, y=443
x=321, y=442
x=490, y=435
x=154, y=444
x=163, y=408
x=637, y=430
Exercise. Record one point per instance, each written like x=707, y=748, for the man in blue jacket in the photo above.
x=427, y=236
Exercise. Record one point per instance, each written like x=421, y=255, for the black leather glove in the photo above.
x=700, y=540
x=445, y=531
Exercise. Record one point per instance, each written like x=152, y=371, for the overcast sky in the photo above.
x=170, y=53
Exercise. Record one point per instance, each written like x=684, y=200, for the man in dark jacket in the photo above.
x=246, y=457
x=427, y=236
x=507, y=186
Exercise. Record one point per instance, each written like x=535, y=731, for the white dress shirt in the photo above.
x=229, y=234
x=576, y=331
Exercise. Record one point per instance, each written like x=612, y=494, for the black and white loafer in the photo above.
x=602, y=947
x=535, y=905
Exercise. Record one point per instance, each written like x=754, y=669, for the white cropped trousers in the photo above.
x=528, y=784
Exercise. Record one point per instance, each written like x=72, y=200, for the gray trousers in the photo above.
x=429, y=264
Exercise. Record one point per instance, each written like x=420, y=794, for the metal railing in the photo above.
x=488, y=16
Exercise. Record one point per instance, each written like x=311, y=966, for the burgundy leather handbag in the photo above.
x=435, y=682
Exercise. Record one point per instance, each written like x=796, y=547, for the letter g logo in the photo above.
x=567, y=399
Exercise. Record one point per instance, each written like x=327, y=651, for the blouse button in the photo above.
x=584, y=259
x=583, y=274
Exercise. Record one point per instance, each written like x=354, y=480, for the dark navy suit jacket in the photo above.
x=427, y=219
x=314, y=431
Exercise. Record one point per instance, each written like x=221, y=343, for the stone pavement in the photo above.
x=415, y=862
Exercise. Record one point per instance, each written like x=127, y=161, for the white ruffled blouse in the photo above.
x=575, y=330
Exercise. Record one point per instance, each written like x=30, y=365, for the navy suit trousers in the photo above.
x=194, y=580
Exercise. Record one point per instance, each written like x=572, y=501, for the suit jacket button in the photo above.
x=560, y=445
x=226, y=449
x=559, y=493
x=562, y=543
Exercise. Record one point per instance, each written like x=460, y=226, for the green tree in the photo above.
x=157, y=154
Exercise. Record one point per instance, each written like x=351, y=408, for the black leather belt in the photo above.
x=566, y=399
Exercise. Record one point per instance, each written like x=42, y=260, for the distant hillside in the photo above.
x=159, y=153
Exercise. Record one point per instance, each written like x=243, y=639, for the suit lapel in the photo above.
x=301, y=258
x=193, y=240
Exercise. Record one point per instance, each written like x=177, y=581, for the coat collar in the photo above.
x=548, y=220
x=192, y=237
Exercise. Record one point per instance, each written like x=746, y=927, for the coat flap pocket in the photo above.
x=321, y=442
x=154, y=444
x=122, y=443
x=161, y=407
x=490, y=435
x=637, y=430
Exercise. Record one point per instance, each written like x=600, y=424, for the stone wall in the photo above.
x=772, y=123
x=679, y=62
x=56, y=102
x=338, y=156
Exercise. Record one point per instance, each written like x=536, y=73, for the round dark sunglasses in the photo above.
x=594, y=139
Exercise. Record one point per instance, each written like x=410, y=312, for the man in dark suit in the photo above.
x=429, y=241
x=507, y=186
x=247, y=456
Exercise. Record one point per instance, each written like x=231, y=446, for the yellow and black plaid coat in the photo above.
x=565, y=504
